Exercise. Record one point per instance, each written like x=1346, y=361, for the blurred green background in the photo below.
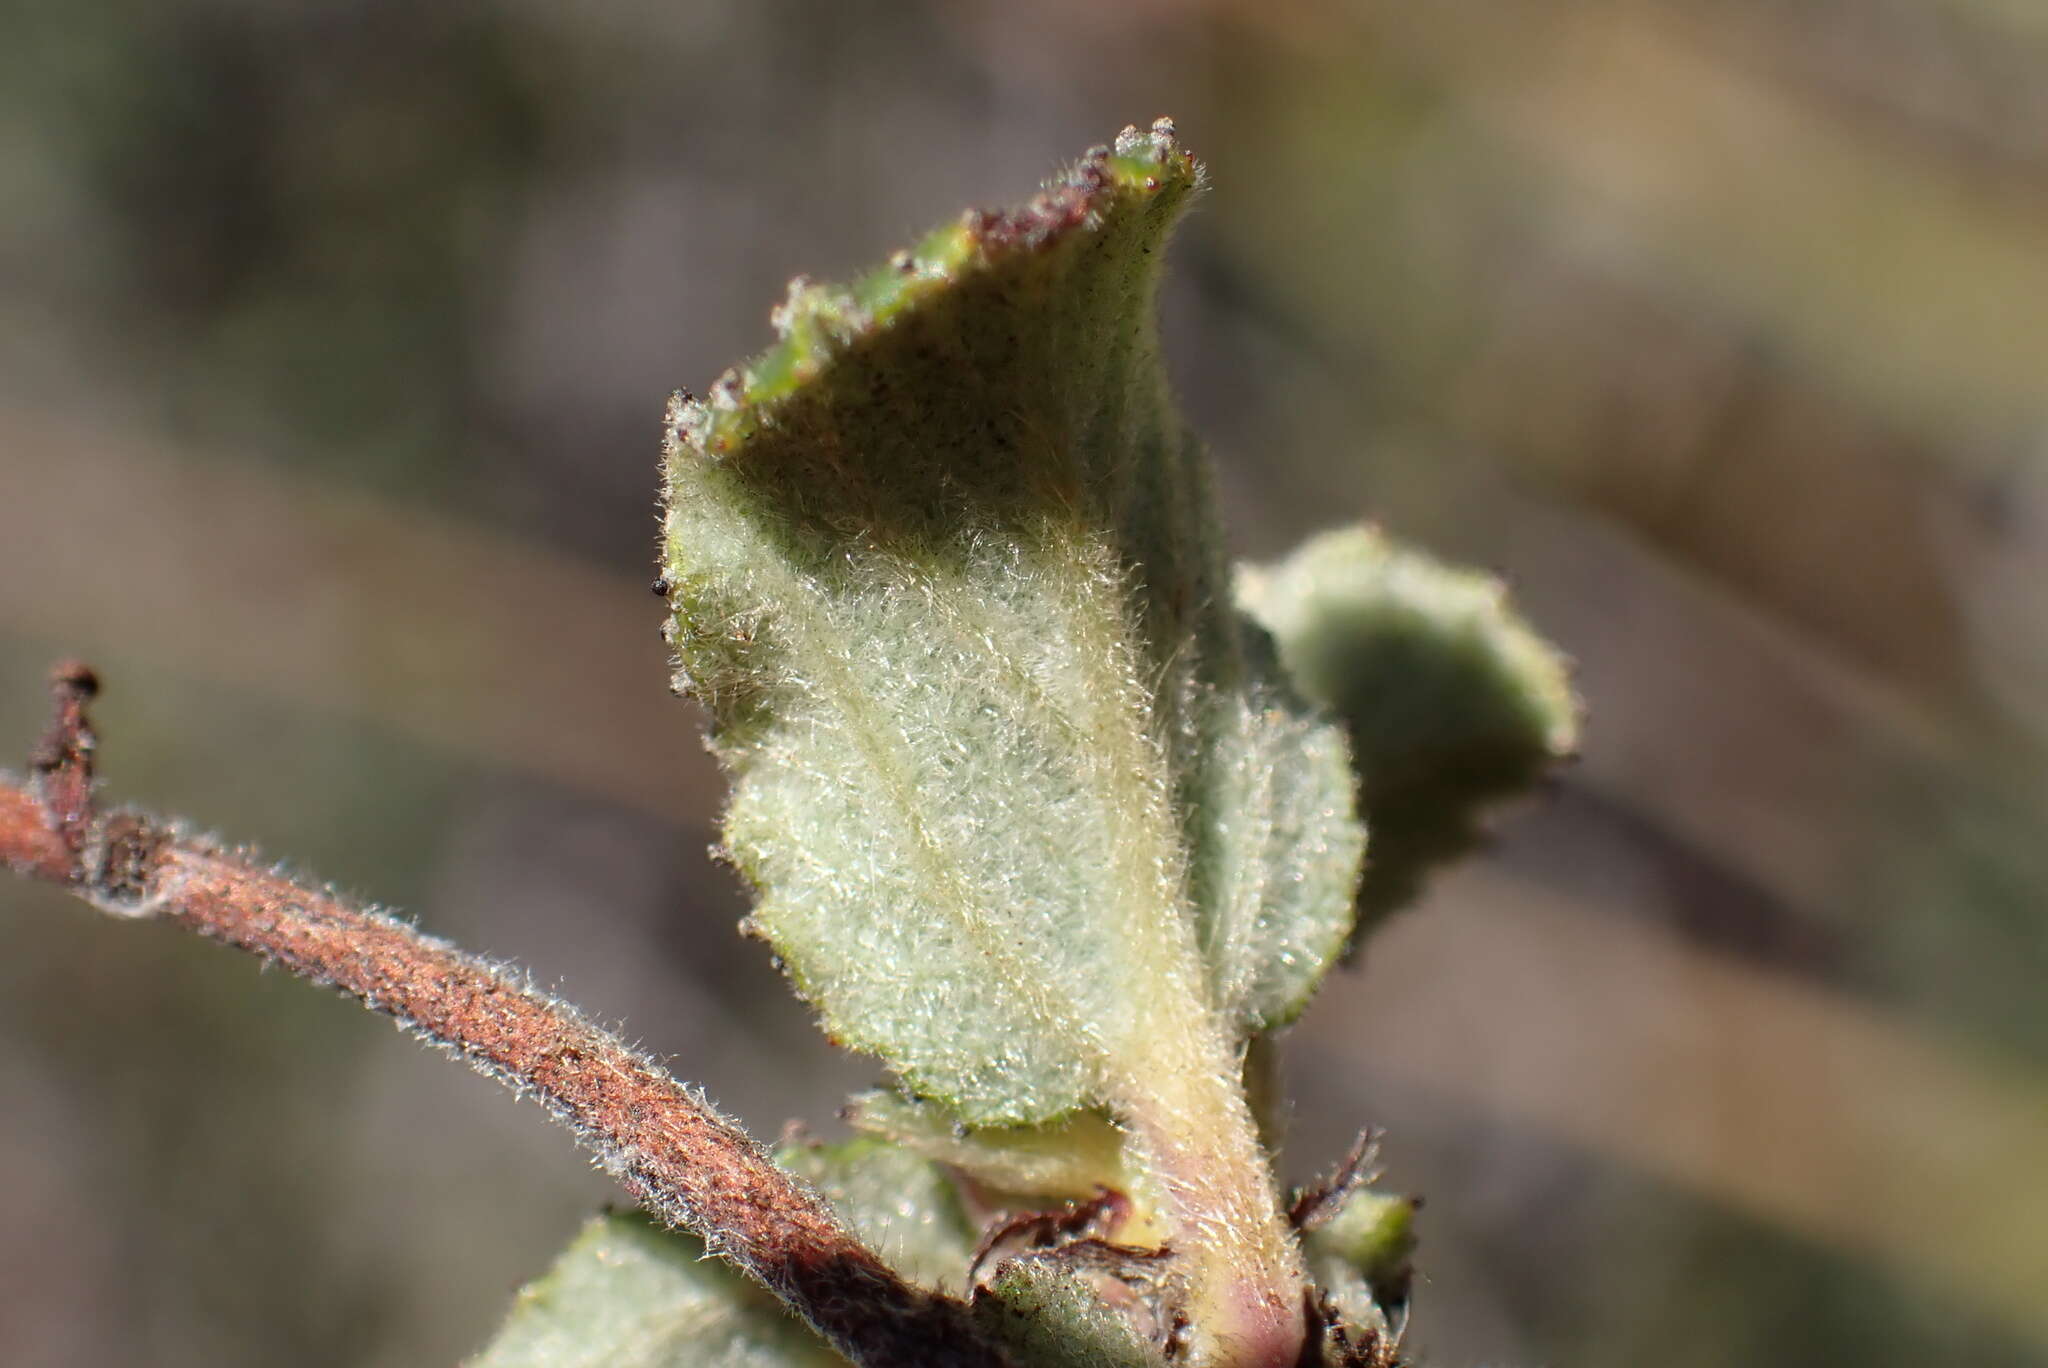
x=333, y=344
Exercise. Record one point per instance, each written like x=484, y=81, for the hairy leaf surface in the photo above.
x=944, y=564
x=1452, y=701
x=1026, y=816
x=629, y=1294
x=1070, y=1159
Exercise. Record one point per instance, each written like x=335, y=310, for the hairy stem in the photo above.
x=668, y=1146
x=1243, y=1280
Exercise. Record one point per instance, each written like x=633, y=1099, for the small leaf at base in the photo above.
x=629, y=1294
x=1452, y=701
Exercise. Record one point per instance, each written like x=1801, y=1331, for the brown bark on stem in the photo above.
x=670, y=1148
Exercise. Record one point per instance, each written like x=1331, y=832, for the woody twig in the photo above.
x=675, y=1152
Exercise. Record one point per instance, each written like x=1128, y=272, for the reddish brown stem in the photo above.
x=671, y=1149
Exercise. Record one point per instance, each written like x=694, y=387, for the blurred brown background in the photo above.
x=335, y=342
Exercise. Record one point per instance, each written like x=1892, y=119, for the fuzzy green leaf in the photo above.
x=892, y=542
x=629, y=1294
x=944, y=564
x=1277, y=847
x=1026, y=817
x=1452, y=702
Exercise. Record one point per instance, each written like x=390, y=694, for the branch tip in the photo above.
x=69, y=739
x=1316, y=1206
x=684, y=1160
x=61, y=766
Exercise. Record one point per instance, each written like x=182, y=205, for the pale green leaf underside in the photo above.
x=1451, y=700
x=629, y=1294
x=1071, y=1159
x=1015, y=795
x=1277, y=848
